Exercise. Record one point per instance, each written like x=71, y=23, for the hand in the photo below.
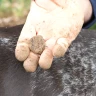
x=58, y=22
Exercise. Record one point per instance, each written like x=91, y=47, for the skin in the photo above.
x=58, y=24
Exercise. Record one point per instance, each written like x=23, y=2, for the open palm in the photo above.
x=59, y=24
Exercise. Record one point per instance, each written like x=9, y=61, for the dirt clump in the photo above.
x=37, y=44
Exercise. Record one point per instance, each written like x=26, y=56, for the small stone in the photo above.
x=37, y=44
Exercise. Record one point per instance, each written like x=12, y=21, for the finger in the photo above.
x=22, y=51
x=23, y=44
x=46, y=59
x=50, y=43
x=27, y=33
x=61, y=47
x=47, y=54
x=31, y=63
x=43, y=4
x=60, y=3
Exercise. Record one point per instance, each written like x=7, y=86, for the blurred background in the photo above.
x=14, y=12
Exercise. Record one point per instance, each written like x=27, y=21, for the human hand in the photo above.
x=59, y=24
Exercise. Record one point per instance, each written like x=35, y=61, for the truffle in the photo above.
x=37, y=44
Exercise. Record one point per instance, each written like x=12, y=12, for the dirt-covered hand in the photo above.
x=58, y=22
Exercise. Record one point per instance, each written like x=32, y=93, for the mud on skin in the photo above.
x=72, y=75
